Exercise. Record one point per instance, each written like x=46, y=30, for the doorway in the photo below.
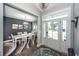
x=57, y=32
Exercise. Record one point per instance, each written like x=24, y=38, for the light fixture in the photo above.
x=43, y=5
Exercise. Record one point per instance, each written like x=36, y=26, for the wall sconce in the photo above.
x=75, y=21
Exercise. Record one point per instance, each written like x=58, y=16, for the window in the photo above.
x=55, y=30
x=49, y=30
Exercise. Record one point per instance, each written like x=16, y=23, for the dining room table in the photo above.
x=23, y=39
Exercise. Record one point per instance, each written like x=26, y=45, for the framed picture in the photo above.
x=20, y=26
x=26, y=26
x=14, y=26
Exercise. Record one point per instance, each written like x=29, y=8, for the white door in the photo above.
x=51, y=33
x=56, y=34
x=65, y=34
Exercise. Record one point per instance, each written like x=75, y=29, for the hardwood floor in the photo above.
x=27, y=51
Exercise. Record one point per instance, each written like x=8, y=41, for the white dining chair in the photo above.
x=24, y=37
x=24, y=42
x=25, y=32
x=29, y=39
x=13, y=38
x=19, y=33
x=14, y=41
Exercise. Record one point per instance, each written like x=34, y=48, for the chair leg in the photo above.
x=28, y=43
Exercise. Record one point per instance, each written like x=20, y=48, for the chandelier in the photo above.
x=43, y=5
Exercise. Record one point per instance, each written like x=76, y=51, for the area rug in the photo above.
x=45, y=52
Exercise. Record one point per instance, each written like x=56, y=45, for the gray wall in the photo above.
x=76, y=31
x=1, y=29
x=8, y=27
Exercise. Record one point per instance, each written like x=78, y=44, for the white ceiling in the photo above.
x=49, y=6
x=13, y=13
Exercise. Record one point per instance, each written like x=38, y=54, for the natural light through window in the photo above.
x=64, y=30
x=49, y=29
x=55, y=30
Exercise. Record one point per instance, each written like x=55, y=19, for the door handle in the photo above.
x=46, y=32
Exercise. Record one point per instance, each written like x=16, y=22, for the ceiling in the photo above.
x=15, y=13
x=33, y=8
x=49, y=6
